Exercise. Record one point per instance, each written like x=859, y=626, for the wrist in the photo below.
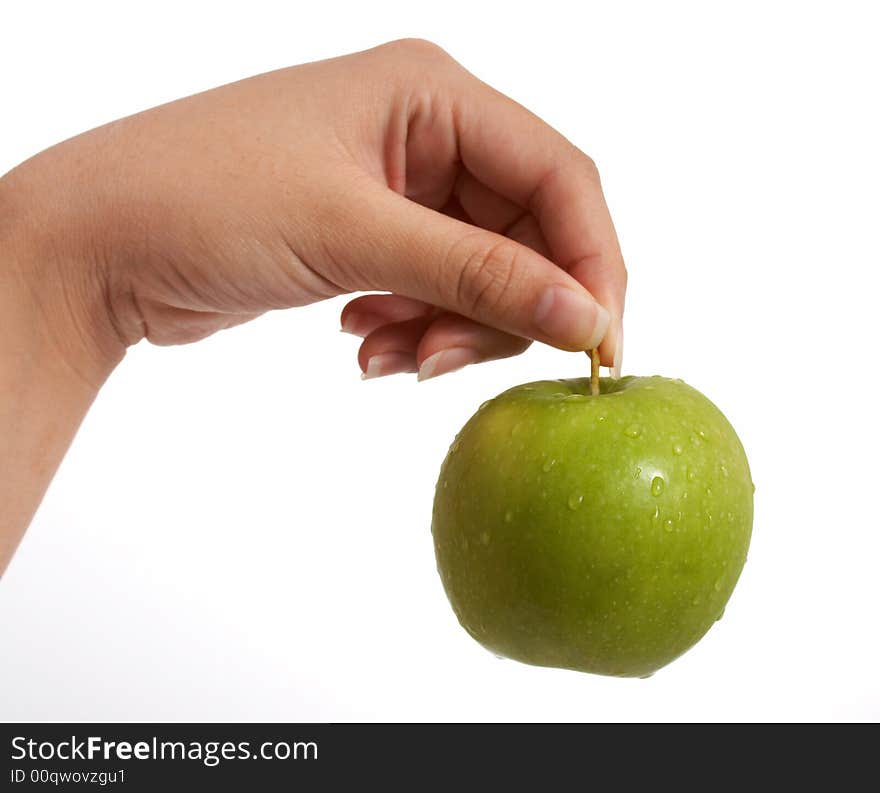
x=54, y=290
x=48, y=374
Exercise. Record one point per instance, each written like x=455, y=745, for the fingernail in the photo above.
x=571, y=318
x=447, y=361
x=618, y=353
x=386, y=363
x=360, y=324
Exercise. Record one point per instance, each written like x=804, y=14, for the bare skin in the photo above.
x=392, y=170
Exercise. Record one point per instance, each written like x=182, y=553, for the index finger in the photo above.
x=519, y=156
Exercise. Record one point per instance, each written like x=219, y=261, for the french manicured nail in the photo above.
x=360, y=324
x=447, y=361
x=571, y=318
x=385, y=363
x=618, y=353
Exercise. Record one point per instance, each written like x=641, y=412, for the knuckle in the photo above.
x=591, y=170
x=486, y=276
x=422, y=48
x=583, y=164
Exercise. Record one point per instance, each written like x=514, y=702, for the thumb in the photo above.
x=419, y=253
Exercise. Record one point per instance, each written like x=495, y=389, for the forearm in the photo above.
x=47, y=383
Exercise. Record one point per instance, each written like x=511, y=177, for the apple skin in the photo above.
x=598, y=533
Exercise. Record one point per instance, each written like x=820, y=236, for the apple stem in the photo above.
x=594, y=371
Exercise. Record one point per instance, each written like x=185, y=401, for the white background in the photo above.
x=242, y=528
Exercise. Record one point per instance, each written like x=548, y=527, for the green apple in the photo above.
x=598, y=533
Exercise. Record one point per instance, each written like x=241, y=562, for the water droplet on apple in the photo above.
x=633, y=431
x=638, y=473
x=691, y=475
x=696, y=600
x=709, y=492
x=548, y=464
x=677, y=449
x=724, y=472
x=717, y=585
x=575, y=500
x=484, y=538
x=668, y=525
x=657, y=485
x=601, y=418
x=456, y=444
x=574, y=398
x=753, y=487
x=655, y=518
x=515, y=428
x=650, y=674
x=720, y=615
x=445, y=483
x=508, y=516
x=484, y=405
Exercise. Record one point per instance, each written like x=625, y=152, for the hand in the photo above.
x=389, y=170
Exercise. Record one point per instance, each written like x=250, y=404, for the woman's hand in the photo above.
x=390, y=170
